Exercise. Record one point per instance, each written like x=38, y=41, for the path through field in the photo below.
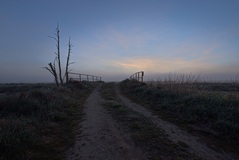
x=102, y=137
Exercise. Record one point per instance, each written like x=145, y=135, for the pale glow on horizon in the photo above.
x=160, y=65
x=114, y=39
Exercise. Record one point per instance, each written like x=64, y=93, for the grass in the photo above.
x=192, y=103
x=40, y=122
x=145, y=135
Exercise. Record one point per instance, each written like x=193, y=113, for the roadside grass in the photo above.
x=192, y=103
x=40, y=122
x=143, y=132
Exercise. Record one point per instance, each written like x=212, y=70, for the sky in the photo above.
x=116, y=38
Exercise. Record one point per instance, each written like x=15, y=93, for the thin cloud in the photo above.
x=162, y=65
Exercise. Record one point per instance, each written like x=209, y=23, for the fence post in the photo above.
x=139, y=76
x=142, y=79
x=85, y=77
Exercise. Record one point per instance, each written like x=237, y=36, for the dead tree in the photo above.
x=68, y=63
x=52, y=67
x=52, y=70
x=58, y=54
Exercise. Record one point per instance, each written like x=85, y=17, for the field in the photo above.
x=183, y=119
x=39, y=121
x=208, y=109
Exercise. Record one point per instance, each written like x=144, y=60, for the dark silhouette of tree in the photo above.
x=68, y=63
x=52, y=70
x=52, y=67
x=58, y=54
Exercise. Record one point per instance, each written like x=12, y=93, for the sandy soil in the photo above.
x=101, y=138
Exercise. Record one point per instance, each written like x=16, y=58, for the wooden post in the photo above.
x=142, y=76
x=139, y=76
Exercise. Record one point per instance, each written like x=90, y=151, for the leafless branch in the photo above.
x=68, y=60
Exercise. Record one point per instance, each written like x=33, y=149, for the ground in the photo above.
x=115, y=128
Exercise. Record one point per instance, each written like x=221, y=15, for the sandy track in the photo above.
x=101, y=137
x=175, y=133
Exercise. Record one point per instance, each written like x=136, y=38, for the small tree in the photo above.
x=52, y=67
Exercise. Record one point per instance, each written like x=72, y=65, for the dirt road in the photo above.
x=102, y=137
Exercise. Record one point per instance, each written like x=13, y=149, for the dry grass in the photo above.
x=192, y=102
x=152, y=140
x=39, y=121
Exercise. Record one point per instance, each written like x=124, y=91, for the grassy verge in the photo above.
x=40, y=123
x=217, y=111
x=144, y=133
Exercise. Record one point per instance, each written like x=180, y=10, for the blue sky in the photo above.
x=115, y=38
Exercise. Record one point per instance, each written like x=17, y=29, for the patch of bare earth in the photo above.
x=100, y=137
x=176, y=134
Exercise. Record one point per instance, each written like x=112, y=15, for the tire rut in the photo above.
x=100, y=137
x=175, y=133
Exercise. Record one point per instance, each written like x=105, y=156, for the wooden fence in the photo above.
x=83, y=77
x=139, y=76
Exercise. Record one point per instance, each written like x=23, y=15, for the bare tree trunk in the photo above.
x=58, y=53
x=68, y=60
x=52, y=70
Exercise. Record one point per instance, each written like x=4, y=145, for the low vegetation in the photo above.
x=152, y=140
x=40, y=122
x=193, y=103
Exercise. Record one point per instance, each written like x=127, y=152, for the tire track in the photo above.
x=175, y=133
x=101, y=138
